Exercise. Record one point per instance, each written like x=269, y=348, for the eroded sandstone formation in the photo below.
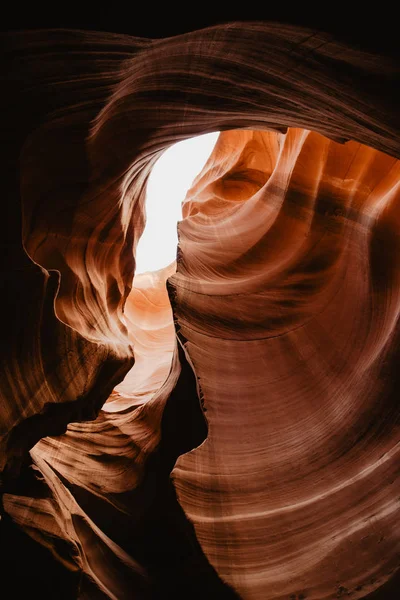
x=231, y=429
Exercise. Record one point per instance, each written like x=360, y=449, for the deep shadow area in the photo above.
x=30, y=570
x=372, y=29
x=157, y=533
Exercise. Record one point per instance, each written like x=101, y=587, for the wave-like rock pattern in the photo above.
x=285, y=304
x=288, y=271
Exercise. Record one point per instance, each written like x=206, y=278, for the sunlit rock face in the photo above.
x=149, y=320
x=288, y=271
x=251, y=450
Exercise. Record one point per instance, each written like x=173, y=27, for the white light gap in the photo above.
x=169, y=181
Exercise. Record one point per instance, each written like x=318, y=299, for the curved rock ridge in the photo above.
x=283, y=328
x=149, y=321
x=288, y=269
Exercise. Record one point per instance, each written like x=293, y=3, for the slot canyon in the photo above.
x=227, y=425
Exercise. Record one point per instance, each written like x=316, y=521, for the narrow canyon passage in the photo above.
x=227, y=425
x=277, y=233
x=147, y=311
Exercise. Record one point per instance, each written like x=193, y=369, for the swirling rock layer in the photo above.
x=283, y=331
x=282, y=273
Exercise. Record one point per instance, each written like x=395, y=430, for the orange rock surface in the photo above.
x=226, y=427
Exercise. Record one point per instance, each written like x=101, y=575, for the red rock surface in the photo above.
x=251, y=450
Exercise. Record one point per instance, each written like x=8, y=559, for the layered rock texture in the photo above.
x=227, y=427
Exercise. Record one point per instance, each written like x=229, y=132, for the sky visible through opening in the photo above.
x=168, y=184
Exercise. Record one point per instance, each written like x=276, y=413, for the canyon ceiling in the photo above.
x=226, y=427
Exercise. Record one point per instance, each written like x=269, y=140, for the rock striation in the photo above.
x=227, y=427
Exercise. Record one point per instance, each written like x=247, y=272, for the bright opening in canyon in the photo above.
x=148, y=313
x=168, y=184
